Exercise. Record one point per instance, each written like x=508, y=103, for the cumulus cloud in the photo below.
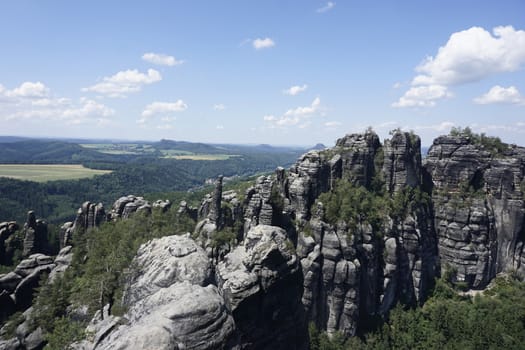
x=161, y=59
x=295, y=90
x=473, y=54
x=34, y=100
x=124, y=82
x=332, y=124
x=422, y=96
x=265, y=43
x=29, y=89
x=304, y=111
x=164, y=107
x=329, y=5
x=468, y=56
x=296, y=116
x=498, y=94
x=219, y=107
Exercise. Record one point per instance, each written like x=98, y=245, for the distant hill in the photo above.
x=194, y=147
x=317, y=147
x=39, y=151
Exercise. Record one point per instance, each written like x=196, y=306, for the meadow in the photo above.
x=48, y=172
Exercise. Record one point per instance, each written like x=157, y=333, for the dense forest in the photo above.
x=449, y=319
x=140, y=174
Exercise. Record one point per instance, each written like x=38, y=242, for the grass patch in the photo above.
x=48, y=172
x=120, y=148
x=200, y=156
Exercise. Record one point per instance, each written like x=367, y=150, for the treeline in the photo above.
x=101, y=264
x=57, y=201
x=494, y=319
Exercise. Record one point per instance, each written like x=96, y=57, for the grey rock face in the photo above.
x=259, y=209
x=90, y=215
x=31, y=269
x=7, y=229
x=331, y=278
x=163, y=205
x=261, y=281
x=171, y=303
x=165, y=261
x=315, y=172
x=180, y=316
x=402, y=161
x=479, y=208
x=125, y=206
x=35, y=235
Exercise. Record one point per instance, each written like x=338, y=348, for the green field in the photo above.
x=120, y=148
x=202, y=156
x=48, y=172
x=178, y=154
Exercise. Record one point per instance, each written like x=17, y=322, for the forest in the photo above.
x=140, y=174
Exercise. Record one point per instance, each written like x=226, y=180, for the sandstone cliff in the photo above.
x=287, y=261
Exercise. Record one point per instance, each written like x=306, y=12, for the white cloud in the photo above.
x=296, y=116
x=294, y=90
x=304, y=111
x=397, y=85
x=29, y=89
x=473, y=54
x=219, y=127
x=332, y=124
x=161, y=59
x=265, y=43
x=164, y=107
x=468, y=56
x=422, y=96
x=305, y=125
x=219, y=107
x=329, y=5
x=124, y=82
x=32, y=101
x=498, y=94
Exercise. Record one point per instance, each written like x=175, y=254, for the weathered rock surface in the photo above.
x=172, y=304
x=125, y=206
x=461, y=208
x=7, y=230
x=35, y=235
x=479, y=208
x=261, y=281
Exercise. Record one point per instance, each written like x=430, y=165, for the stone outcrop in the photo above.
x=35, y=235
x=479, y=208
x=89, y=215
x=125, y=206
x=461, y=208
x=18, y=287
x=7, y=231
x=219, y=211
x=261, y=281
x=172, y=304
x=402, y=161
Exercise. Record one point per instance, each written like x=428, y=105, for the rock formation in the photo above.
x=35, y=235
x=172, y=304
x=261, y=281
x=461, y=208
x=7, y=230
x=479, y=208
x=18, y=287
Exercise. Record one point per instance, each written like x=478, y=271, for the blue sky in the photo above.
x=279, y=72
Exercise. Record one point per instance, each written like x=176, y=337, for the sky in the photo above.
x=279, y=72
